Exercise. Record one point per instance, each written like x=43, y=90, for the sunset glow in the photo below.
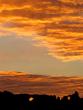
x=39, y=84
x=41, y=46
x=56, y=24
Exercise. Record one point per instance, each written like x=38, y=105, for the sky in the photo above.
x=43, y=37
x=41, y=84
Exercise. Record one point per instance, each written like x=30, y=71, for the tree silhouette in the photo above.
x=10, y=101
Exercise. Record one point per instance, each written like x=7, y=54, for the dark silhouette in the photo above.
x=10, y=101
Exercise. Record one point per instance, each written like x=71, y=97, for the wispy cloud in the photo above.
x=39, y=84
x=56, y=24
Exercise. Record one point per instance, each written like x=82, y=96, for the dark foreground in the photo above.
x=10, y=101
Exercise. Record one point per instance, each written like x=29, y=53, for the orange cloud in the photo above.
x=38, y=84
x=57, y=25
x=9, y=73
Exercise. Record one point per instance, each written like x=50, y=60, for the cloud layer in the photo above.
x=39, y=84
x=56, y=24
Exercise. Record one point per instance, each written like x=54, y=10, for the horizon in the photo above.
x=21, y=83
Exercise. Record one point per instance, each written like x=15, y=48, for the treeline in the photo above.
x=10, y=101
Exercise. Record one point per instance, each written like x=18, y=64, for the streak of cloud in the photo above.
x=18, y=82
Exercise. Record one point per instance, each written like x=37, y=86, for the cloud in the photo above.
x=56, y=24
x=9, y=73
x=39, y=84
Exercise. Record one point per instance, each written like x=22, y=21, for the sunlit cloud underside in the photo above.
x=39, y=84
x=56, y=24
